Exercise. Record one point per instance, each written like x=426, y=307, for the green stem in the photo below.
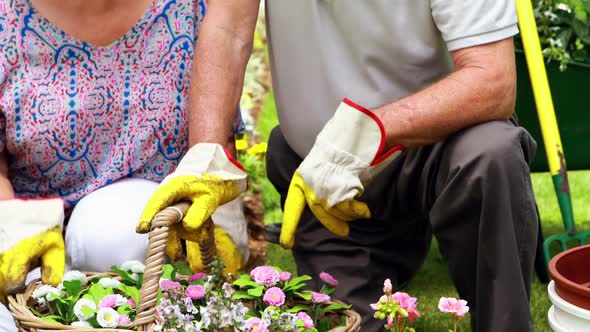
x=455, y=321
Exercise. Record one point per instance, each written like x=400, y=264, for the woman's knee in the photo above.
x=6, y=321
x=101, y=230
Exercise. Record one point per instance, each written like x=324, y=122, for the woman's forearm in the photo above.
x=221, y=56
x=6, y=190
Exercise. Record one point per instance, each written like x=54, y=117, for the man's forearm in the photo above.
x=6, y=190
x=221, y=56
x=476, y=92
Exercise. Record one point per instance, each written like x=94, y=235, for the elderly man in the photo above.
x=396, y=125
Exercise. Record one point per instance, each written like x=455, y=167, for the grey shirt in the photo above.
x=373, y=52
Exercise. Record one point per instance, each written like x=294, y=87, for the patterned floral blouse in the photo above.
x=75, y=117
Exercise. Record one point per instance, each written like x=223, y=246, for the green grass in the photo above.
x=433, y=280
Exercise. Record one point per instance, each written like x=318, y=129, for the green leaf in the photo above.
x=125, y=276
x=169, y=272
x=334, y=307
x=125, y=309
x=183, y=268
x=304, y=295
x=323, y=325
x=244, y=281
x=87, y=311
x=296, y=281
x=243, y=295
x=257, y=292
x=97, y=292
x=130, y=291
x=51, y=319
x=298, y=308
x=73, y=287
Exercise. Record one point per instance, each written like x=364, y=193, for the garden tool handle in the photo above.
x=545, y=110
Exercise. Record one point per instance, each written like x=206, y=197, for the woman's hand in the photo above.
x=30, y=235
x=208, y=177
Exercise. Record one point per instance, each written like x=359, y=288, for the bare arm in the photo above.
x=6, y=191
x=482, y=88
x=221, y=56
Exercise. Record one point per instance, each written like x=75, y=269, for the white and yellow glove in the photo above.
x=209, y=177
x=30, y=236
x=346, y=156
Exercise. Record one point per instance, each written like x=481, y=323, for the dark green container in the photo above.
x=570, y=90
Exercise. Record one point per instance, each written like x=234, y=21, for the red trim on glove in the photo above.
x=379, y=156
x=237, y=163
x=233, y=160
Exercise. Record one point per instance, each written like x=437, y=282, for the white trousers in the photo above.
x=101, y=230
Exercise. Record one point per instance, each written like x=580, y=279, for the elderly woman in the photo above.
x=94, y=114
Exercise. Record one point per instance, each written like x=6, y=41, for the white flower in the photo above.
x=133, y=266
x=120, y=300
x=109, y=282
x=107, y=317
x=86, y=304
x=54, y=293
x=41, y=291
x=81, y=323
x=135, y=276
x=75, y=275
x=564, y=7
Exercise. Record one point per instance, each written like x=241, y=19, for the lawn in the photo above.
x=434, y=269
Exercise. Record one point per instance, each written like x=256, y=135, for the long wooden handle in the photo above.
x=545, y=110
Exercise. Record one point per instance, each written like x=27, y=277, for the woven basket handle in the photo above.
x=155, y=256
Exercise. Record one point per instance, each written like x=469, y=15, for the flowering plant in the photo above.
x=564, y=30
x=399, y=309
x=101, y=301
x=265, y=300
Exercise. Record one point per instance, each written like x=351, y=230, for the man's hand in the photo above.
x=208, y=177
x=347, y=154
x=30, y=235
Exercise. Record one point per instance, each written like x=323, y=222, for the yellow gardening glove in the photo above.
x=346, y=156
x=208, y=177
x=30, y=236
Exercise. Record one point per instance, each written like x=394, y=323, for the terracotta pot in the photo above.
x=571, y=272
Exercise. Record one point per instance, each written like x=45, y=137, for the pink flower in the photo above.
x=319, y=297
x=196, y=276
x=284, y=276
x=274, y=296
x=108, y=301
x=457, y=307
x=123, y=320
x=382, y=299
x=265, y=275
x=255, y=324
x=389, y=320
x=307, y=321
x=408, y=303
x=170, y=286
x=195, y=292
x=131, y=302
x=387, y=287
x=328, y=279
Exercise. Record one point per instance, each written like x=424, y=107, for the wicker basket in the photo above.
x=158, y=238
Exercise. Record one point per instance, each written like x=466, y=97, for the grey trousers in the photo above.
x=472, y=191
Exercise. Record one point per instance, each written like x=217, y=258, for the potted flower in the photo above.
x=564, y=31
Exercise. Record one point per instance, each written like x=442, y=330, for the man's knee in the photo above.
x=496, y=146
